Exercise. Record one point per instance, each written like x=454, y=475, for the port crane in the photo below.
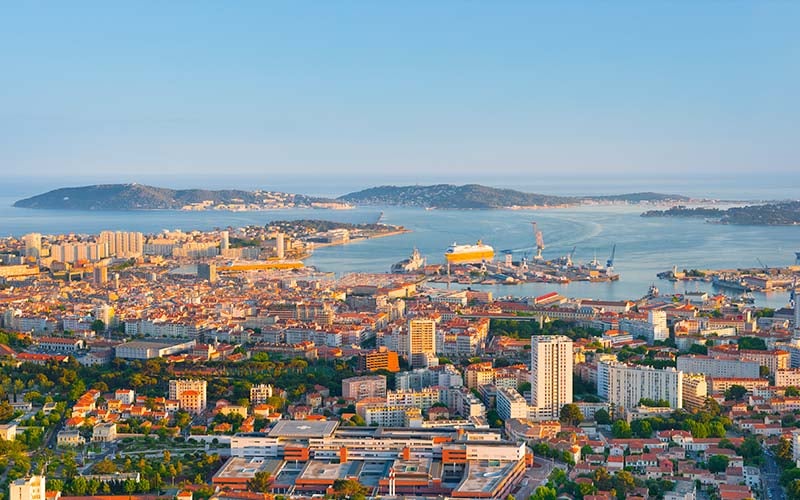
x=539, y=241
x=610, y=261
x=570, y=255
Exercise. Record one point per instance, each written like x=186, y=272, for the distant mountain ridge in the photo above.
x=477, y=196
x=469, y=196
x=142, y=197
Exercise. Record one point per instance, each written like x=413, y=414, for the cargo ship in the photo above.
x=469, y=254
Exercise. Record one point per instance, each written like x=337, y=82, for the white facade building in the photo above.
x=551, y=375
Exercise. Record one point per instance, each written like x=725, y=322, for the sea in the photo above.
x=644, y=246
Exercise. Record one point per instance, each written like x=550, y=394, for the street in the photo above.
x=536, y=476
x=770, y=477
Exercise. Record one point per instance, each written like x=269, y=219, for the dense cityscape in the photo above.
x=215, y=364
x=354, y=250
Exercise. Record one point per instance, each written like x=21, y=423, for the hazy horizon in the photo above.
x=753, y=187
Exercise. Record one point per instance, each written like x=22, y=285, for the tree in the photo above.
x=783, y=452
x=260, y=482
x=793, y=491
x=98, y=326
x=698, y=349
x=735, y=393
x=358, y=420
x=792, y=392
x=602, y=417
x=621, y=429
x=585, y=489
x=349, y=488
x=105, y=466
x=129, y=487
x=624, y=483
x=79, y=486
x=718, y=463
x=750, y=451
x=602, y=479
x=557, y=477
x=754, y=343
x=641, y=428
x=544, y=493
x=763, y=371
x=571, y=414
x=6, y=412
x=93, y=486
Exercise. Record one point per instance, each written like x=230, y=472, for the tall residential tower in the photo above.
x=551, y=375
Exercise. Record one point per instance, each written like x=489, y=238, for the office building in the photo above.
x=551, y=375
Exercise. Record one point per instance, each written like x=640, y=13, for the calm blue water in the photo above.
x=644, y=246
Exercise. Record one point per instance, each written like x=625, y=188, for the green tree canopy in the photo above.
x=601, y=416
x=349, y=489
x=621, y=429
x=571, y=414
x=544, y=493
x=260, y=483
x=718, y=463
x=735, y=393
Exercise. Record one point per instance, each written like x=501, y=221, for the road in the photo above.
x=536, y=476
x=770, y=477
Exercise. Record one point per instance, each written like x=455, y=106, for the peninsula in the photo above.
x=142, y=197
x=770, y=214
x=476, y=196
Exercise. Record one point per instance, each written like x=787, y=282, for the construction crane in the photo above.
x=610, y=261
x=539, y=241
x=766, y=268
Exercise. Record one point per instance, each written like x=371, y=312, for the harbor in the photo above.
x=763, y=279
x=476, y=264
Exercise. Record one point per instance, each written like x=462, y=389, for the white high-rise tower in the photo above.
x=551, y=375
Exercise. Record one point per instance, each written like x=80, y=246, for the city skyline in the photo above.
x=459, y=89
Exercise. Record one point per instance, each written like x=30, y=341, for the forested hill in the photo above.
x=478, y=196
x=143, y=197
x=770, y=214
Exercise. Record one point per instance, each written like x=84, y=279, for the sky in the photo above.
x=407, y=91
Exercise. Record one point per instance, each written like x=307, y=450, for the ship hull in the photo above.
x=469, y=257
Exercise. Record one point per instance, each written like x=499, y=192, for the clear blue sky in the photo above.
x=365, y=87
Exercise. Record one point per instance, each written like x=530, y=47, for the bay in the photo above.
x=645, y=246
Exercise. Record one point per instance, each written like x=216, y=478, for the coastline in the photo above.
x=363, y=238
